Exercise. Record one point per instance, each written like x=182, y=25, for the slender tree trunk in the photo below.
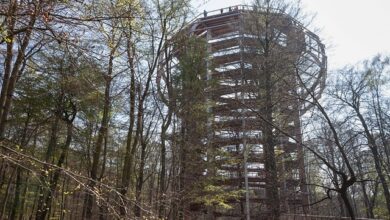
x=129, y=154
x=7, y=192
x=56, y=175
x=11, y=20
x=3, y=168
x=164, y=127
x=140, y=181
x=18, y=186
x=161, y=199
x=24, y=198
x=88, y=203
x=269, y=152
x=129, y=161
x=102, y=206
x=174, y=184
x=162, y=196
x=6, y=95
x=347, y=203
x=183, y=170
x=367, y=202
x=43, y=207
x=103, y=131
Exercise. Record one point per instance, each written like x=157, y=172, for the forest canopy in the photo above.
x=105, y=111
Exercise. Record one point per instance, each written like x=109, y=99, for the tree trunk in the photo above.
x=129, y=153
x=269, y=152
x=182, y=175
x=43, y=207
x=161, y=198
x=164, y=128
x=11, y=20
x=347, y=203
x=103, y=132
x=140, y=182
x=9, y=84
x=7, y=191
x=88, y=202
x=24, y=197
x=56, y=175
x=18, y=183
x=18, y=186
x=367, y=202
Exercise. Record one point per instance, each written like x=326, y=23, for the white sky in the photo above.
x=352, y=30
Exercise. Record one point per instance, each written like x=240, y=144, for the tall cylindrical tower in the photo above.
x=263, y=66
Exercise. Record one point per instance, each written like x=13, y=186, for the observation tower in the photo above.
x=265, y=67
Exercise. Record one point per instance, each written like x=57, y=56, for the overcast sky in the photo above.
x=352, y=30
